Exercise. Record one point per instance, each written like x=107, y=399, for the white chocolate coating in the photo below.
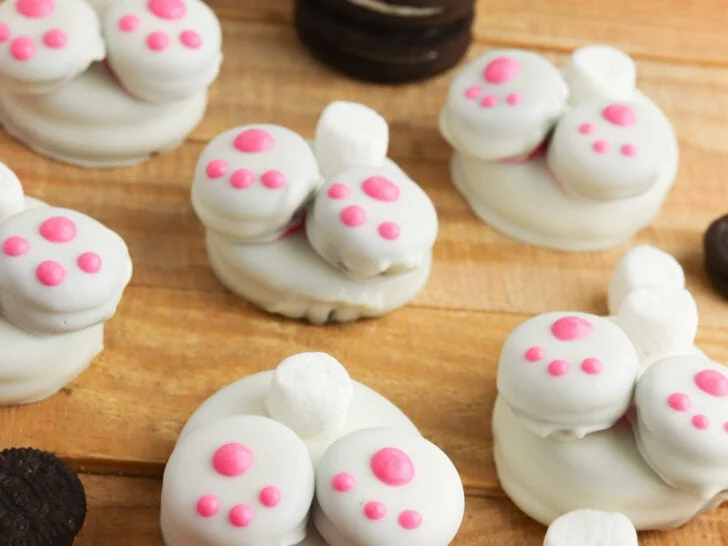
x=600, y=71
x=591, y=528
x=387, y=486
x=566, y=375
x=92, y=122
x=163, y=50
x=46, y=43
x=12, y=197
x=100, y=6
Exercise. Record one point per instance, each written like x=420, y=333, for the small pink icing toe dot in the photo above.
x=628, y=150
x=514, y=99
x=343, y=482
x=270, y=497
x=58, y=229
x=586, y=128
x=679, y=401
x=232, y=460
x=392, y=466
x=571, y=328
x=158, y=41
x=488, y=102
x=4, y=32
x=55, y=39
x=534, y=354
x=353, y=216
x=22, y=48
x=241, y=179
x=592, y=366
x=713, y=383
x=338, y=191
x=208, y=506
x=557, y=368
x=89, y=262
x=15, y=246
x=501, y=70
x=190, y=39
x=389, y=231
x=241, y=515
x=35, y=9
x=129, y=23
x=216, y=168
x=410, y=519
x=374, y=510
x=473, y=92
x=600, y=147
x=50, y=273
x=701, y=422
x=171, y=10
x=253, y=141
x=725, y=426
x=619, y=114
x=380, y=188
x=273, y=180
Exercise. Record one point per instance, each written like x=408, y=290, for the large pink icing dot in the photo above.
x=489, y=101
x=208, y=506
x=619, y=114
x=55, y=39
x=501, y=70
x=392, y=466
x=190, y=39
x=629, y=150
x=600, y=147
x=35, y=9
x=701, y=422
x=679, y=401
x=129, y=23
x=374, y=510
x=713, y=383
x=338, y=191
x=270, y=496
x=410, y=519
x=241, y=515
x=89, y=262
x=557, y=368
x=380, y=188
x=473, y=92
x=273, y=180
x=216, y=168
x=22, y=48
x=4, y=32
x=58, y=229
x=592, y=366
x=571, y=328
x=534, y=354
x=586, y=128
x=50, y=273
x=241, y=179
x=514, y=99
x=253, y=141
x=353, y=216
x=158, y=40
x=232, y=460
x=15, y=246
x=167, y=9
x=343, y=482
x=389, y=231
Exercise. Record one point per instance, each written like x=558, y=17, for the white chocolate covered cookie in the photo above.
x=60, y=271
x=387, y=486
x=566, y=375
x=163, y=50
x=245, y=480
x=12, y=197
x=252, y=182
x=371, y=221
x=46, y=43
x=600, y=71
x=503, y=104
x=591, y=528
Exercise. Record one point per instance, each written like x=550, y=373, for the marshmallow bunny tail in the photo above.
x=600, y=71
x=591, y=528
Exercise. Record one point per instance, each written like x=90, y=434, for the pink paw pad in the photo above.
x=58, y=230
x=129, y=23
x=501, y=70
x=232, y=460
x=534, y=354
x=489, y=101
x=273, y=180
x=571, y=328
x=343, y=482
x=375, y=511
x=338, y=191
x=55, y=39
x=713, y=383
x=216, y=168
x=592, y=366
x=353, y=216
x=410, y=519
x=22, y=48
x=473, y=92
x=241, y=179
x=381, y=189
x=35, y=9
x=190, y=39
x=557, y=368
x=208, y=506
x=701, y=422
x=15, y=246
x=389, y=231
x=392, y=467
x=253, y=141
x=170, y=10
x=158, y=41
x=4, y=32
x=50, y=273
x=241, y=515
x=270, y=497
x=619, y=114
x=514, y=99
x=89, y=262
x=679, y=401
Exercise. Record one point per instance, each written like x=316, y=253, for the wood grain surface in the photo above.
x=178, y=336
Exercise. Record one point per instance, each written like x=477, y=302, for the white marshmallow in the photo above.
x=311, y=394
x=600, y=71
x=642, y=266
x=660, y=322
x=591, y=528
x=349, y=134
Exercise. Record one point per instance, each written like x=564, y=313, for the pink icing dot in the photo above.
x=58, y=229
x=338, y=191
x=488, y=102
x=89, y=262
x=725, y=426
x=571, y=328
x=679, y=401
x=15, y=246
x=592, y=366
x=534, y=354
x=22, y=48
x=557, y=368
x=208, y=506
x=158, y=40
x=4, y=32
x=353, y=216
x=586, y=128
x=167, y=9
x=600, y=147
x=273, y=180
x=713, y=383
x=232, y=460
x=216, y=168
x=629, y=150
x=241, y=179
x=389, y=231
x=619, y=114
x=253, y=141
x=343, y=482
x=701, y=422
x=513, y=99
x=501, y=70
x=380, y=188
x=50, y=273
x=55, y=39
x=392, y=466
x=190, y=39
x=374, y=510
x=409, y=519
x=35, y=9
x=241, y=515
x=129, y=23
x=473, y=92
x=270, y=496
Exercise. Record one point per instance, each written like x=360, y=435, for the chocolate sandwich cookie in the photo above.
x=42, y=501
x=401, y=14
x=368, y=52
x=715, y=244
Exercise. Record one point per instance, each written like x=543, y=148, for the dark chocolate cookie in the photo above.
x=715, y=244
x=42, y=501
x=403, y=14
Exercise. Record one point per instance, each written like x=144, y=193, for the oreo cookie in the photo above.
x=42, y=501
x=715, y=246
x=377, y=54
x=400, y=14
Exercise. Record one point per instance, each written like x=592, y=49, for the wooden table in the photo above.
x=178, y=336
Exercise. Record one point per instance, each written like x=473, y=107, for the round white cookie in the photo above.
x=604, y=150
x=12, y=197
x=245, y=480
x=46, y=43
x=503, y=104
x=566, y=375
x=591, y=528
x=92, y=122
x=387, y=486
x=252, y=182
x=163, y=50
x=600, y=71
x=372, y=221
x=60, y=271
